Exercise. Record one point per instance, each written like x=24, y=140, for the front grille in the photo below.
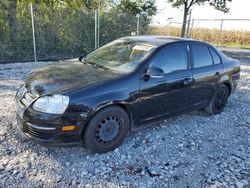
x=27, y=99
x=38, y=133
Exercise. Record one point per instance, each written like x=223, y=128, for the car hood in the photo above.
x=66, y=76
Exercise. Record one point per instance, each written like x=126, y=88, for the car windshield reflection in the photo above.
x=119, y=55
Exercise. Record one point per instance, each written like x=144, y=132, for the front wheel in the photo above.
x=219, y=100
x=106, y=130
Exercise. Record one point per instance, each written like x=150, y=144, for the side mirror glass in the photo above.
x=81, y=58
x=154, y=72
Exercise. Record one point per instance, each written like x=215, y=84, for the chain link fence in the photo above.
x=222, y=32
x=60, y=31
x=15, y=32
x=219, y=32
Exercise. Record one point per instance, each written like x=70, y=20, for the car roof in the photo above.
x=157, y=40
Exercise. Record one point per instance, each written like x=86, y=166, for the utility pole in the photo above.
x=188, y=26
x=138, y=24
x=98, y=33
x=97, y=26
x=220, y=35
x=191, y=31
x=33, y=31
x=168, y=26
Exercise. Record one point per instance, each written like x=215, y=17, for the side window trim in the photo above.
x=188, y=67
x=192, y=56
x=189, y=57
x=210, y=50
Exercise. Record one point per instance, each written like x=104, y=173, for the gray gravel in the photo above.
x=191, y=150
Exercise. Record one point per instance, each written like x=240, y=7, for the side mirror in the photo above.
x=81, y=58
x=154, y=72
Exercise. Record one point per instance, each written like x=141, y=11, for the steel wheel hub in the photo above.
x=220, y=101
x=108, y=129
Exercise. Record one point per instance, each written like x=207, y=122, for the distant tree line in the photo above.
x=66, y=28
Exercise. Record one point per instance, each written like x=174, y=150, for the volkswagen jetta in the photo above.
x=96, y=101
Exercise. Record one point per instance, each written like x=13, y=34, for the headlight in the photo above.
x=55, y=104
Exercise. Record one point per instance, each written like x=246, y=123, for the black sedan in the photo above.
x=96, y=101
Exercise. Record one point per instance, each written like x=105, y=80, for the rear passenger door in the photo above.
x=207, y=70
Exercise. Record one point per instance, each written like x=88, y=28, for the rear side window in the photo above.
x=215, y=56
x=201, y=56
x=171, y=58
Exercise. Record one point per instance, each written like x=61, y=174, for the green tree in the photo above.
x=65, y=28
x=121, y=19
x=138, y=7
x=11, y=11
x=220, y=5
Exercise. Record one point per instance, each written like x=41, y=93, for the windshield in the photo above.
x=120, y=55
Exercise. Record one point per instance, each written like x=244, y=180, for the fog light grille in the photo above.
x=38, y=133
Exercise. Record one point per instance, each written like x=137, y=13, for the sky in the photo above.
x=239, y=9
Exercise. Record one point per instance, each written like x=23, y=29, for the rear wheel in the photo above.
x=219, y=100
x=107, y=129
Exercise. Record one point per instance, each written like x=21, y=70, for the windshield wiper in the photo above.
x=94, y=65
x=98, y=66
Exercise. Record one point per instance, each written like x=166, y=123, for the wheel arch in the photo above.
x=129, y=112
x=229, y=86
x=226, y=81
x=125, y=107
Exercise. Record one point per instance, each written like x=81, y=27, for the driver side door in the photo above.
x=171, y=92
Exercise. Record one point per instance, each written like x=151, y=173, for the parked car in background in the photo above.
x=123, y=84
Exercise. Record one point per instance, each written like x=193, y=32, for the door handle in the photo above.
x=187, y=81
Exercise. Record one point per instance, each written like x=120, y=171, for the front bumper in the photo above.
x=46, y=129
x=48, y=137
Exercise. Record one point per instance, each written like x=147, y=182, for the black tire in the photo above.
x=106, y=130
x=218, y=101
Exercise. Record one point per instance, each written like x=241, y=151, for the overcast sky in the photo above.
x=239, y=9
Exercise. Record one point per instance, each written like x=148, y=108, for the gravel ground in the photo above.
x=191, y=150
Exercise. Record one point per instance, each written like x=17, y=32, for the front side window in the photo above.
x=201, y=56
x=171, y=58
